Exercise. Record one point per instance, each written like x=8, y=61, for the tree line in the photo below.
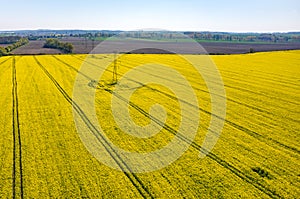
x=246, y=37
x=6, y=50
x=56, y=44
x=9, y=39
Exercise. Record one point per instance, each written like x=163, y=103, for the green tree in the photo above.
x=55, y=43
x=3, y=51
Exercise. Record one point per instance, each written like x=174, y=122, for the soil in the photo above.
x=83, y=46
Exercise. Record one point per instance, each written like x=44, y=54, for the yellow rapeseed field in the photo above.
x=256, y=156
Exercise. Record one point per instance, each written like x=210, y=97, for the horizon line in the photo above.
x=145, y=30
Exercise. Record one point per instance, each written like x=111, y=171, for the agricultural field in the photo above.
x=83, y=46
x=256, y=156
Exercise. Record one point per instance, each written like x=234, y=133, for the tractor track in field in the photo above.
x=231, y=87
x=229, y=99
x=2, y=72
x=5, y=61
x=3, y=69
x=205, y=91
x=282, y=81
x=233, y=124
x=134, y=179
x=237, y=88
x=196, y=146
x=17, y=171
x=247, y=178
x=262, y=94
x=252, y=133
x=274, y=75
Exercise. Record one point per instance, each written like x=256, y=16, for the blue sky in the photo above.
x=192, y=15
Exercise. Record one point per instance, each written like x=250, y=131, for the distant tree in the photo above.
x=251, y=50
x=3, y=51
x=9, y=39
x=8, y=49
x=51, y=43
x=55, y=43
x=68, y=47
